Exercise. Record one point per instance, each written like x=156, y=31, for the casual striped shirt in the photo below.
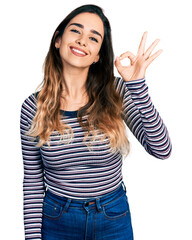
x=71, y=169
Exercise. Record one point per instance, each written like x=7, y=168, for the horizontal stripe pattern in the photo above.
x=148, y=127
x=74, y=171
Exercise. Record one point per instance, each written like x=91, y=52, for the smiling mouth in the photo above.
x=78, y=52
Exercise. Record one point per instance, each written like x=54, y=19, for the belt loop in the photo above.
x=98, y=205
x=67, y=205
x=124, y=187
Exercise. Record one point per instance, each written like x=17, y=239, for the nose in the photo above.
x=82, y=41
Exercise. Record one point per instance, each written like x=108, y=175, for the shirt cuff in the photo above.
x=135, y=82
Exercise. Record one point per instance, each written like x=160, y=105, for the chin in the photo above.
x=79, y=64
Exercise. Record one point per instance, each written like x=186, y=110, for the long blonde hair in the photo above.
x=104, y=109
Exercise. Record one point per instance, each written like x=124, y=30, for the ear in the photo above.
x=57, y=40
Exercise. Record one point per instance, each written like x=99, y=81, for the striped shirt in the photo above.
x=71, y=169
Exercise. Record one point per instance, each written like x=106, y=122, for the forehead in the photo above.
x=90, y=21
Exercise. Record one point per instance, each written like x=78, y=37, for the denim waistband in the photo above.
x=86, y=203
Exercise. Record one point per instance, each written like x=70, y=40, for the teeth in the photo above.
x=76, y=50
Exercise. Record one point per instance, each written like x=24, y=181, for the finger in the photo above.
x=118, y=64
x=155, y=55
x=128, y=54
x=151, y=48
x=141, y=48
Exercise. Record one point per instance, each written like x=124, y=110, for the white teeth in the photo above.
x=76, y=50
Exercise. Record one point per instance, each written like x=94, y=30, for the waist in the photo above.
x=104, y=199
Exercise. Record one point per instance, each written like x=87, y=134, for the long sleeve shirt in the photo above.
x=71, y=169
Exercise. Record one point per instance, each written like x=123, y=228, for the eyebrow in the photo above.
x=81, y=26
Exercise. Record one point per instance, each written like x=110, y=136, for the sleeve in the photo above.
x=33, y=184
x=143, y=119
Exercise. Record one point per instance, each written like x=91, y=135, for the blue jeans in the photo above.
x=103, y=218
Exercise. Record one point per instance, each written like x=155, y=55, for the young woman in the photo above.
x=73, y=133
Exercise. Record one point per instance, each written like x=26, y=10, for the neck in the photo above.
x=74, y=81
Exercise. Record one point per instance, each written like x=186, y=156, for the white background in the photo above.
x=159, y=191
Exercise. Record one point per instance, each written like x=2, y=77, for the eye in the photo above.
x=74, y=30
x=93, y=39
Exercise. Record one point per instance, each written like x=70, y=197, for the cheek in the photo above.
x=62, y=51
x=64, y=48
x=95, y=50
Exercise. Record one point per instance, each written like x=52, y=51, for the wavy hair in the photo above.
x=104, y=108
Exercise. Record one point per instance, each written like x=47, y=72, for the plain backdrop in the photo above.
x=159, y=191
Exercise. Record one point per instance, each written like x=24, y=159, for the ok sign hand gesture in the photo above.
x=138, y=63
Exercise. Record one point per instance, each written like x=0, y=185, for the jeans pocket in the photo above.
x=116, y=209
x=51, y=209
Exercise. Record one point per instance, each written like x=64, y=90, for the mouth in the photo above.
x=78, y=52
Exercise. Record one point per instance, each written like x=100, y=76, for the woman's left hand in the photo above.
x=138, y=63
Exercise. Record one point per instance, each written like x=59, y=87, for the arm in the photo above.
x=143, y=119
x=139, y=113
x=33, y=184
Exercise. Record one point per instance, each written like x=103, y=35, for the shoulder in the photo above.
x=29, y=106
x=30, y=101
x=119, y=85
x=118, y=81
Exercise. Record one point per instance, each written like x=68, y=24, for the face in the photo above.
x=81, y=41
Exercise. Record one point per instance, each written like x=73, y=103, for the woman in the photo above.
x=73, y=133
